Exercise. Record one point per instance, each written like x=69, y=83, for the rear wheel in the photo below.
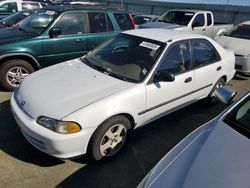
x=212, y=97
x=12, y=73
x=109, y=137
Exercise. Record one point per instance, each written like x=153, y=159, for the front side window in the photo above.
x=199, y=21
x=204, y=52
x=125, y=57
x=240, y=31
x=239, y=118
x=8, y=7
x=178, y=58
x=98, y=22
x=124, y=21
x=176, y=17
x=38, y=22
x=71, y=24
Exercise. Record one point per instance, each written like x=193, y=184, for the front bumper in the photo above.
x=242, y=64
x=55, y=144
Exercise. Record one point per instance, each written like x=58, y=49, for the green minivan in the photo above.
x=55, y=34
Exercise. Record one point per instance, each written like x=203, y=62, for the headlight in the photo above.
x=63, y=127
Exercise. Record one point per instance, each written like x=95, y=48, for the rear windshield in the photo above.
x=240, y=31
x=176, y=17
x=124, y=21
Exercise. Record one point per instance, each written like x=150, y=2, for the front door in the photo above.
x=168, y=96
x=70, y=44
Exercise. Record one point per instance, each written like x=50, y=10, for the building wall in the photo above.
x=230, y=14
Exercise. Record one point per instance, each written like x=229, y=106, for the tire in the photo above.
x=212, y=99
x=109, y=137
x=12, y=72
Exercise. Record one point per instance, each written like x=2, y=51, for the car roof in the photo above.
x=162, y=35
x=63, y=8
x=190, y=10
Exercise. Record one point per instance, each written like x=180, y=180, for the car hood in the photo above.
x=159, y=25
x=61, y=89
x=239, y=46
x=13, y=34
x=217, y=157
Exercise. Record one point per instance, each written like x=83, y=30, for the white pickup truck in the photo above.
x=8, y=7
x=196, y=21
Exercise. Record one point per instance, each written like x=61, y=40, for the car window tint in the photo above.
x=178, y=58
x=124, y=21
x=30, y=6
x=240, y=31
x=209, y=19
x=239, y=117
x=203, y=52
x=97, y=22
x=71, y=24
x=8, y=7
x=199, y=21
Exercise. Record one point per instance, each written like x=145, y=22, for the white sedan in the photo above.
x=238, y=39
x=90, y=104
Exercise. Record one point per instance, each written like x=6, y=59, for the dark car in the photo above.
x=215, y=155
x=15, y=18
x=55, y=34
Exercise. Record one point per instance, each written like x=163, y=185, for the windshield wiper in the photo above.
x=94, y=66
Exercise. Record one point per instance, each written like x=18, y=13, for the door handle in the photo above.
x=203, y=30
x=218, y=68
x=189, y=79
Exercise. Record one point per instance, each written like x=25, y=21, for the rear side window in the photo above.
x=30, y=6
x=99, y=22
x=204, y=53
x=71, y=24
x=199, y=21
x=124, y=21
x=8, y=7
x=209, y=19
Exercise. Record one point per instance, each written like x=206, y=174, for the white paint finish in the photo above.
x=19, y=3
x=72, y=91
x=68, y=86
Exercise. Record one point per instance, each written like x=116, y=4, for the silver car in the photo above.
x=237, y=40
x=215, y=155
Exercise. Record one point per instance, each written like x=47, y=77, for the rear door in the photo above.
x=100, y=28
x=167, y=96
x=207, y=66
x=71, y=43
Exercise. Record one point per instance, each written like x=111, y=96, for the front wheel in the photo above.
x=212, y=97
x=109, y=137
x=12, y=73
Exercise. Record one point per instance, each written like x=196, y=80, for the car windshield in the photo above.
x=239, y=117
x=38, y=22
x=176, y=17
x=15, y=18
x=125, y=57
x=240, y=31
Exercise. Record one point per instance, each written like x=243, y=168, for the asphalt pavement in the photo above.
x=21, y=165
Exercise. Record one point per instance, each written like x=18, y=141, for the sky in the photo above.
x=231, y=2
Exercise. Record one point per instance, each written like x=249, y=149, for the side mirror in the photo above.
x=164, y=76
x=225, y=94
x=54, y=32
